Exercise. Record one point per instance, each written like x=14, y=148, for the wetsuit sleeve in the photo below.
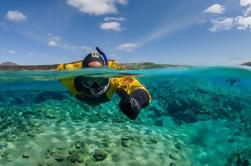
x=69, y=82
x=70, y=66
x=133, y=94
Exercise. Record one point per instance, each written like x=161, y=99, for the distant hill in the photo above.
x=246, y=64
x=14, y=66
x=146, y=65
x=8, y=64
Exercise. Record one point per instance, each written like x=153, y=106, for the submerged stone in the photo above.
x=151, y=141
x=80, y=144
x=31, y=134
x=59, y=158
x=75, y=158
x=172, y=164
x=5, y=154
x=242, y=158
x=26, y=155
x=231, y=140
x=100, y=155
x=125, y=144
x=46, y=95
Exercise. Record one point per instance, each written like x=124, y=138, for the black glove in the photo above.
x=131, y=104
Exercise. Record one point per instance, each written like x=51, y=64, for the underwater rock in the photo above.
x=125, y=144
x=183, y=110
x=79, y=147
x=174, y=157
x=31, y=133
x=151, y=141
x=75, y=158
x=59, y=157
x=5, y=154
x=172, y=164
x=178, y=146
x=3, y=145
x=242, y=158
x=18, y=101
x=231, y=140
x=46, y=95
x=100, y=155
x=124, y=141
x=26, y=155
x=80, y=144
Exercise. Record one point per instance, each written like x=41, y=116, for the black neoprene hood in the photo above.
x=94, y=56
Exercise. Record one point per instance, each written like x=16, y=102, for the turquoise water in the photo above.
x=198, y=116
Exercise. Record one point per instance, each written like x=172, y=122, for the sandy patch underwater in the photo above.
x=190, y=121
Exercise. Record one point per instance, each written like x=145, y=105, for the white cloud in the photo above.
x=245, y=2
x=243, y=22
x=114, y=19
x=12, y=52
x=215, y=9
x=127, y=47
x=221, y=24
x=97, y=7
x=123, y=2
x=52, y=43
x=115, y=26
x=15, y=16
x=247, y=11
x=56, y=41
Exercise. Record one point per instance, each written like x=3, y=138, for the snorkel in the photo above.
x=103, y=55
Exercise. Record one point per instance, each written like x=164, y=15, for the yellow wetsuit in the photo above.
x=127, y=83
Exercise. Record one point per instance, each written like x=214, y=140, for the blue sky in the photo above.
x=192, y=32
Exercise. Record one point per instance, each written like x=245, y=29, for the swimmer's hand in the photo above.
x=131, y=104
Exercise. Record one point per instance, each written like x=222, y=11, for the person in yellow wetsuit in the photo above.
x=95, y=90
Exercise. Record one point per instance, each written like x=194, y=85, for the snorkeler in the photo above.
x=96, y=90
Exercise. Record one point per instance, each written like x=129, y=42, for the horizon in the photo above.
x=162, y=32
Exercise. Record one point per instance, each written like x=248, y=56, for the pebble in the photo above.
x=152, y=141
x=124, y=144
x=79, y=144
x=172, y=157
x=5, y=154
x=178, y=146
x=75, y=158
x=59, y=158
x=100, y=155
x=172, y=164
x=26, y=155
x=31, y=134
x=124, y=139
x=231, y=140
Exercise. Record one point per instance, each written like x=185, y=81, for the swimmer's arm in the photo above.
x=133, y=94
x=70, y=66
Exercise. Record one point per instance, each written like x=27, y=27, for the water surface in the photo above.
x=198, y=116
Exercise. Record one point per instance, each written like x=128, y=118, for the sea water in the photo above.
x=197, y=116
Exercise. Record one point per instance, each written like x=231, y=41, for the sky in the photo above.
x=194, y=32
